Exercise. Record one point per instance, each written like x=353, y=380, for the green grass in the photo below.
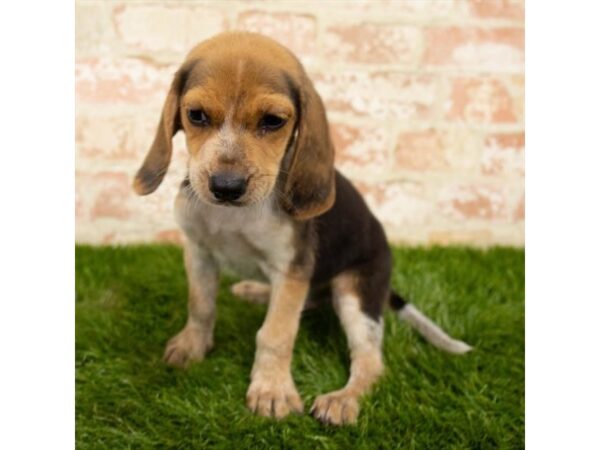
x=130, y=300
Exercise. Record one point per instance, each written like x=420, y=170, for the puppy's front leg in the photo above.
x=272, y=391
x=196, y=338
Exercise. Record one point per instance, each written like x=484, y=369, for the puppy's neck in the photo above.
x=239, y=218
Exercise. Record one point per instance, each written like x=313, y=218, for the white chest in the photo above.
x=251, y=242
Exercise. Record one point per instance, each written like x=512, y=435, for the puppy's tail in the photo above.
x=425, y=326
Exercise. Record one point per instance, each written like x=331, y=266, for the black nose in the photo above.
x=227, y=185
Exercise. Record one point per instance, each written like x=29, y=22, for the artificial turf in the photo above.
x=130, y=300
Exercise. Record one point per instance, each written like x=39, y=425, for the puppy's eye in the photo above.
x=271, y=122
x=198, y=117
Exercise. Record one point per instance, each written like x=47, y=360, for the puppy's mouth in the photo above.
x=208, y=197
x=235, y=203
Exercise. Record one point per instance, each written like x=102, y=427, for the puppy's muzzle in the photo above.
x=227, y=186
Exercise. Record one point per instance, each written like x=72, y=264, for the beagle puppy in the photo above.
x=262, y=198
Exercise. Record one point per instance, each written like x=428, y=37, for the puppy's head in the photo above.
x=254, y=127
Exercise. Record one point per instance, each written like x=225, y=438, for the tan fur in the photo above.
x=364, y=337
x=226, y=147
x=156, y=163
x=272, y=391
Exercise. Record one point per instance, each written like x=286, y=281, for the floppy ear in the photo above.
x=155, y=165
x=310, y=185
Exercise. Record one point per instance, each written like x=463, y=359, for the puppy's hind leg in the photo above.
x=252, y=291
x=364, y=335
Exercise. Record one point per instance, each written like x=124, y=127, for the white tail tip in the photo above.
x=431, y=332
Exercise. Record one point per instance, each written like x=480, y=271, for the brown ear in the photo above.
x=310, y=185
x=156, y=163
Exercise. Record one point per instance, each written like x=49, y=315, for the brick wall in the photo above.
x=425, y=100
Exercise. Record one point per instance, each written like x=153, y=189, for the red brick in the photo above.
x=427, y=9
x=498, y=9
x=380, y=95
x=421, y=150
x=373, y=43
x=437, y=149
x=398, y=204
x=113, y=189
x=483, y=100
x=109, y=238
x=463, y=237
x=122, y=81
x=519, y=213
x=298, y=32
x=174, y=28
x=102, y=195
x=80, y=201
x=516, y=86
x=112, y=212
x=473, y=202
x=503, y=154
x=498, y=49
x=402, y=10
x=172, y=236
x=359, y=148
x=93, y=30
x=114, y=137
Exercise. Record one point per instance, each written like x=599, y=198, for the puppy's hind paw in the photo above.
x=252, y=291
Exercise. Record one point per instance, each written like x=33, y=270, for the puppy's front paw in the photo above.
x=273, y=397
x=190, y=345
x=336, y=408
